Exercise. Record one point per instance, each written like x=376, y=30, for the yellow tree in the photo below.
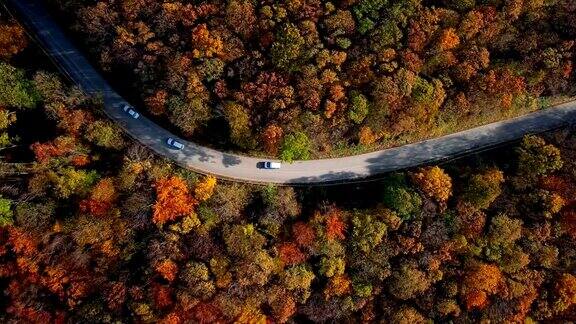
x=434, y=182
x=206, y=44
x=205, y=189
x=338, y=286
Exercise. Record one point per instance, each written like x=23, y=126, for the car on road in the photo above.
x=269, y=165
x=174, y=143
x=133, y=113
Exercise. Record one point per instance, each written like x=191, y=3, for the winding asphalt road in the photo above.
x=242, y=168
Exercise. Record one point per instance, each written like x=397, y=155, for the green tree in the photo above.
x=49, y=87
x=332, y=266
x=536, y=158
x=35, y=217
x=551, y=58
x=367, y=13
x=298, y=278
x=422, y=91
x=504, y=230
x=211, y=69
x=229, y=202
x=280, y=203
x=367, y=231
x=406, y=202
x=70, y=181
x=240, y=126
x=541, y=204
x=188, y=115
x=196, y=278
x=269, y=195
x=7, y=118
x=370, y=8
x=288, y=49
x=5, y=212
x=386, y=35
x=513, y=259
x=287, y=202
x=362, y=289
x=5, y=140
x=483, y=188
x=407, y=315
x=243, y=240
x=256, y=270
x=461, y=5
x=15, y=89
x=408, y=282
x=359, y=107
x=402, y=11
x=105, y=134
x=296, y=146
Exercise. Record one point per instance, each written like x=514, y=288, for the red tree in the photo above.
x=290, y=254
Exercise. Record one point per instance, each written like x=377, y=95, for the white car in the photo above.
x=174, y=143
x=133, y=113
x=271, y=165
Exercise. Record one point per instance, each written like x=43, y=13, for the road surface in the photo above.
x=243, y=168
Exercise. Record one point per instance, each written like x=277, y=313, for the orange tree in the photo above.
x=173, y=200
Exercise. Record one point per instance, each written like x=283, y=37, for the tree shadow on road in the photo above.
x=327, y=178
x=230, y=160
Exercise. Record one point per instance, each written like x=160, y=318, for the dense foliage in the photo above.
x=98, y=230
x=333, y=74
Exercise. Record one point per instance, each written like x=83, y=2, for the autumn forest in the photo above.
x=313, y=78
x=95, y=228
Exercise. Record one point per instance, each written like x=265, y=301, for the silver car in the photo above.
x=174, y=143
x=271, y=165
x=133, y=113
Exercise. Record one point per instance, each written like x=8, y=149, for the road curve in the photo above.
x=242, y=168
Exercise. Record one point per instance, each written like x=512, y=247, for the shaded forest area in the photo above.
x=309, y=78
x=98, y=230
